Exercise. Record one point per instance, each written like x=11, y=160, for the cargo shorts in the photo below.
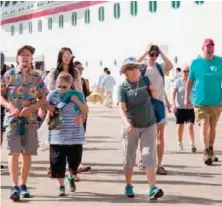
x=28, y=143
x=212, y=113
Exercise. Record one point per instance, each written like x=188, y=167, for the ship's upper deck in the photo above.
x=15, y=8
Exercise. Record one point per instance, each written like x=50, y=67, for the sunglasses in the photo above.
x=185, y=71
x=154, y=55
x=80, y=68
x=132, y=68
x=62, y=87
x=68, y=55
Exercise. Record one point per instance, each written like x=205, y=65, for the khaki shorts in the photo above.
x=26, y=144
x=212, y=113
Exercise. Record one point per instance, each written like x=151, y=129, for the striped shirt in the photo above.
x=108, y=83
x=70, y=133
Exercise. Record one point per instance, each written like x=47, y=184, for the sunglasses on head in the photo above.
x=62, y=87
x=185, y=71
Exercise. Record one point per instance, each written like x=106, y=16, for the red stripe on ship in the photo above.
x=52, y=11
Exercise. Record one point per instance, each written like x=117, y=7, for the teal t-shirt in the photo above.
x=207, y=77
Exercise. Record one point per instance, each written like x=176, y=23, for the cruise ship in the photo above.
x=103, y=33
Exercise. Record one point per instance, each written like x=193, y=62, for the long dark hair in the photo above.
x=59, y=64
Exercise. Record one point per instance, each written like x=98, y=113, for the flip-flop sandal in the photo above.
x=141, y=166
x=83, y=169
x=161, y=171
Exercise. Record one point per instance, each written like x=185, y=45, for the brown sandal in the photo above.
x=161, y=171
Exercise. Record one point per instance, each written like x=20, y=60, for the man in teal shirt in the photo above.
x=206, y=79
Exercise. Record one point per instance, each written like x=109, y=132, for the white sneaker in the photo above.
x=180, y=146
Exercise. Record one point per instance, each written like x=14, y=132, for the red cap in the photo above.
x=208, y=42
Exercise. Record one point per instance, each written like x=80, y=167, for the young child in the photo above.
x=66, y=142
x=59, y=100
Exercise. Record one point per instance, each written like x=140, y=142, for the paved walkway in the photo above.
x=189, y=181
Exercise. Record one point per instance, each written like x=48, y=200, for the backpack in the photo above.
x=158, y=106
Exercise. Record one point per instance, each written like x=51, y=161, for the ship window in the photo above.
x=12, y=30
x=20, y=28
x=14, y=2
x=152, y=6
x=176, y=4
x=40, y=25
x=87, y=16
x=199, y=2
x=30, y=27
x=74, y=18
x=7, y=3
x=50, y=23
x=61, y=21
x=133, y=8
x=116, y=10
x=101, y=13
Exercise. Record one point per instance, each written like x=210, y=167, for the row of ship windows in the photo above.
x=7, y=3
x=101, y=15
x=16, y=9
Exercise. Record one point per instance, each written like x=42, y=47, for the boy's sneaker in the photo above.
x=24, y=192
x=193, y=149
x=129, y=191
x=213, y=157
x=71, y=182
x=207, y=157
x=155, y=193
x=61, y=191
x=180, y=146
x=15, y=193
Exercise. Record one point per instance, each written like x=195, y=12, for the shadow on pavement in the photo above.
x=117, y=198
x=112, y=172
x=169, y=182
x=7, y=187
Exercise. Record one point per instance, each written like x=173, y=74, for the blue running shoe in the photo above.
x=15, y=194
x=155, y=193
x=24, y=193
x=71, y=182
x=129, y=191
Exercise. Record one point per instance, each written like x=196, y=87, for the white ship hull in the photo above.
x=180, y=32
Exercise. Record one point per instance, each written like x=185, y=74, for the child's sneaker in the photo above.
x=193, y=149
x=71, y=182
x=155, y=193
x=61, y=191
x=129, y=191
x=180, y=146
